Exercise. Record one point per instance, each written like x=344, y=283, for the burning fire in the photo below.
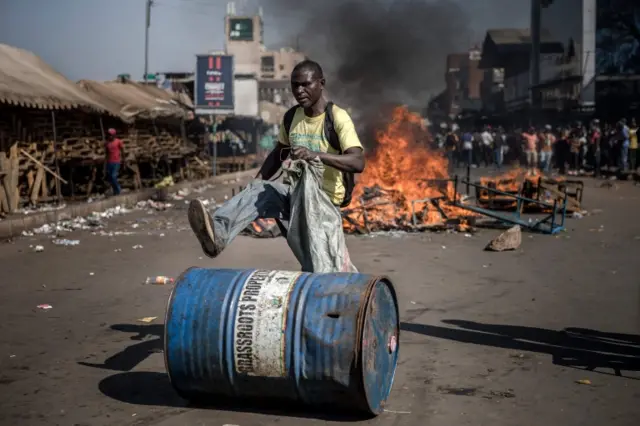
x=516, y=182
x=403, y=169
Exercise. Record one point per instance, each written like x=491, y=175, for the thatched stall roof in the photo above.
x=28, y=81
x=130, y=101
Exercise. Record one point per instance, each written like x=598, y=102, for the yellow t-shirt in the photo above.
x=633, y=138
x=309, y=133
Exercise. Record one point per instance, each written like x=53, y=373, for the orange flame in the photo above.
x=403, y=169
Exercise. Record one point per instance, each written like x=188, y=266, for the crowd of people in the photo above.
x=567, y=150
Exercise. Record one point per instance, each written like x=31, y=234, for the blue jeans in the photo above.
x=112, y=177
x=499, y=156
x=624, y=156
x=545, y=161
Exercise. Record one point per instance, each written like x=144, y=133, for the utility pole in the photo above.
x=146, y=38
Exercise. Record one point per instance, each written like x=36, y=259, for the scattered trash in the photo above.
x=583, y=382
x=12, y=356
x=38, y=249
x=413, y=303
x=468, y=235
x=147, y=319
x=155, y=205
x=66, y=242
x=137, y=246
x=397, y=412
x=44, y=208
x=165, y=183
x=92, y=273
x=134, y=225
x=161, y=235
x=458, y=391
x=44, y=307
x=444, y=247
x=117, y=250
x=511, y=239
x=608, y=184
x=160, y=280
x=577, y=215
x=27, y=234
x=502, y=394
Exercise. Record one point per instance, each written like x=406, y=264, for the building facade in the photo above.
x=599, y=66
x=244, y=39
x=463, y=79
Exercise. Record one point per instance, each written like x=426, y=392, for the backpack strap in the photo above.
x=348, y=179
x=330, y=130
x=288, y=119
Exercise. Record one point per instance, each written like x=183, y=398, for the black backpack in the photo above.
x=348, y=179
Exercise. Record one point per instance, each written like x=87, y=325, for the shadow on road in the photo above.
x=154, y=389
x=151, y=341
x=571, y=347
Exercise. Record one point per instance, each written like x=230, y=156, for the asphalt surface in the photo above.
x=545, y=335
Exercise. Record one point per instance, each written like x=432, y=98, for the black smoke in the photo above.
x=378, y=53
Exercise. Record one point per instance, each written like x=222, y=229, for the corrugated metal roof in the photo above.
x=27, y=80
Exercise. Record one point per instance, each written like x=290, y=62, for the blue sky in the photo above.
x=98, y=39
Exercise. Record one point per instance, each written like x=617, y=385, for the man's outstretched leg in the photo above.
x=260, y=199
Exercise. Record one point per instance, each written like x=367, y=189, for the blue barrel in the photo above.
x=322, y=339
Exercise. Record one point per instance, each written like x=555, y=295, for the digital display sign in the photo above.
x=241, y=29
x=214, y=84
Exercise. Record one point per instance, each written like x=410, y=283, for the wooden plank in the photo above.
x=44, y=191
x=572, y=204
x=94, y=172
x=5, y=165
x=54, y=174
x=15, y=176
x=37, y=184
x=30, y=180
x=4, y=205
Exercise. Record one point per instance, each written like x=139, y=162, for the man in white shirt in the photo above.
x=487, y=145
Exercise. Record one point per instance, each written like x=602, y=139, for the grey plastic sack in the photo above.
x=315, y=232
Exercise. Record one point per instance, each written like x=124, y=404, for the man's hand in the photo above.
x=302, y=153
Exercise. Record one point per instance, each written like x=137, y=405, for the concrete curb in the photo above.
x=13, y=227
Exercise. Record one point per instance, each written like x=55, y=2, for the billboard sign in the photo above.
x=214, y=84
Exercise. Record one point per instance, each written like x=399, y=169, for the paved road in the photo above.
x=484, y=339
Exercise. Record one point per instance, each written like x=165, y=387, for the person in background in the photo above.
x=548, y=140
x=595, y=140
x=476, y=150
x=467, y=148
x=531, y=150
x=574, y=150
x=633, y=145
x=562, y=151
x=499, y=145
x=624, y=145
x=487, y=145
x=451, y=147
x=114, y=152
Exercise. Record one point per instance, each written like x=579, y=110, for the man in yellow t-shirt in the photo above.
x=304, y=140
